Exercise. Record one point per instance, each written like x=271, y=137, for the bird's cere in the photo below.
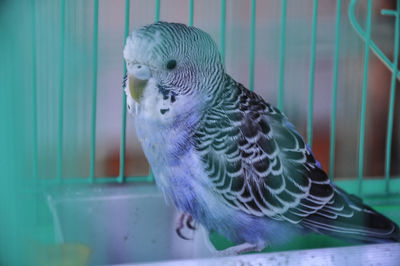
x=140, y=71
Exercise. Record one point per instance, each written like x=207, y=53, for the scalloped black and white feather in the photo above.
x=259, y=164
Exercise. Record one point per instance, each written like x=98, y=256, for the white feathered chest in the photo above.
x=168, y=146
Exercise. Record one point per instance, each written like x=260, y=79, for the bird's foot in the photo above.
x=185, y=223
x=239, y=249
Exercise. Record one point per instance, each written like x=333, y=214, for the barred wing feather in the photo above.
x=258, y=163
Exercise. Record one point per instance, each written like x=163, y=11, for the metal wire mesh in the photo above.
x=364, y=34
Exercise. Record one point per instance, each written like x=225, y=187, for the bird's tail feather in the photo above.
x=349, y=218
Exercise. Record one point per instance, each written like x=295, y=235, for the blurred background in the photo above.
x=62, y=107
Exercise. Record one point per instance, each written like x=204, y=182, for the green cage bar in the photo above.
x=121, y=175
x=157, y=16
x=61, y=93
x=190, y=12
x=371, y=187
x=334, y=92
x=364, y=99
x=150, y=177
x=94, y=90
x=392, y=93
x=282, y=51
x=312, y=73
x=252, y=44
x=34, y=95
x=222, y=30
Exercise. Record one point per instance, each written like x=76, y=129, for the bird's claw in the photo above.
x=185, y=221
x=190, y=223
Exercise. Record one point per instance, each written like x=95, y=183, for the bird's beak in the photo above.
x=138, y=77
x=136, y=87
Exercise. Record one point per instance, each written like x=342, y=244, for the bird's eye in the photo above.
x=171, y=64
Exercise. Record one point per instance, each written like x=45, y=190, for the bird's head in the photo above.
x=170, y=62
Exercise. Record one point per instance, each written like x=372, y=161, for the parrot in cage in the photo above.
x=225, y=156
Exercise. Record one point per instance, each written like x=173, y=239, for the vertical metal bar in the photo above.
x=282, y=51
x=252, y=44
x=190, y=12
x=150, y=177
x=94, y=90
x=157, y=16
x=61, y=92
x=34, y=108
x=34, y=95
x=364, y=99
x=222, y=32
x=392, y=94
x=312, y=74
x=334, y=91
x=121, y=175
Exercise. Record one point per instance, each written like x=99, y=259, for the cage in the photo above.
x=75, y=188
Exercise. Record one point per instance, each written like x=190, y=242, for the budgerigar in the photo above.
x=224, y=155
